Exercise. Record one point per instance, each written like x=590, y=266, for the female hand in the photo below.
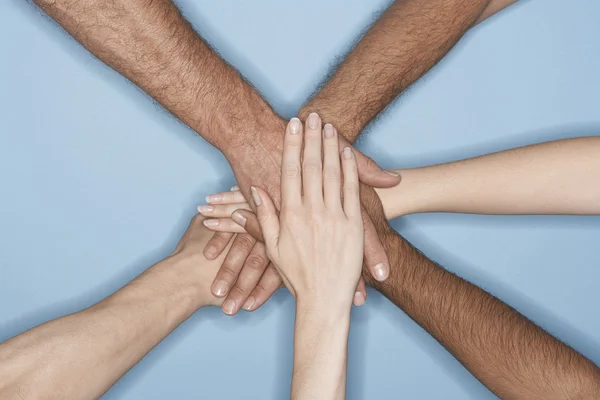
x=316, y=243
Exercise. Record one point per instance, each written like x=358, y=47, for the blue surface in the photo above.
x=97, y=182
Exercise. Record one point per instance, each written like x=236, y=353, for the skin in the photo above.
x=85, y=353
x=316, y=244
x=547, y=178
x=150, y=43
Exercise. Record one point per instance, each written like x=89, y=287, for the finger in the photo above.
x=223, y=225
x=253, y=269
x=226, y=198
x=217, y=243
x=291, y=173
x=234, y=188
x=229, y=271
x=248, y=221
x=312, y=166
x=351, y=185
x=369, y=172
x=222, y=210
x=267, y=217
x=268, y=284
x=360, y=296
x=375, y=256
x=331, y=169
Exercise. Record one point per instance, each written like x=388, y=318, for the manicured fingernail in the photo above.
x=220, y=288
x=213, y=198
x=390, y=172
x=328, y=131
x=235, y=188
x=211, y=222
x=255, y=196
x=205, y=209
x=229, y=307
x=313, y=121
x=359, y=299
x=249, y=303
x=295, y=126
x=347, y=153
x=239, y=219
x=381, y=272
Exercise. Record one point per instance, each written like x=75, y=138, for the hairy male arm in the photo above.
x=508, y=353
x=150, y=43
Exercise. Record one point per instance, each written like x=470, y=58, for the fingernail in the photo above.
x=313, y=121
x=328, y=131
x=211, y=222
x=239, y=219
x=229, y=307
x=210, y=252
x=359, y=299
x=235, y=188
x=347, y=153
x=205, y=209
x=295, y=126
x=249, y=303
x=213, y=198
x=381, y=272
x=255, y=196
x=390, y=172
x=219, y=288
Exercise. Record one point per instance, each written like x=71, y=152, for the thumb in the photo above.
x=248, y=220
x=267, y=217
x=369, y=172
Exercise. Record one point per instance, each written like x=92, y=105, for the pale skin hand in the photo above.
x=316, y=244
x=546, y=178
x=87, y=352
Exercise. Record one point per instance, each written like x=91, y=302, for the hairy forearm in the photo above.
x=548, y=178
x=320, y=353
x=508, y=353
x=409, y=38
x=83, y=354
x=149, y=42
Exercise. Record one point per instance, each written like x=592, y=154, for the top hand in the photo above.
x=316, y=244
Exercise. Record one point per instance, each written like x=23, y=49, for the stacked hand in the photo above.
x=245, y=278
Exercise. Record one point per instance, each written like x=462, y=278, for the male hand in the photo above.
x=243, y=269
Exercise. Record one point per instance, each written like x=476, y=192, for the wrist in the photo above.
x=323, y=310
x=187, y=274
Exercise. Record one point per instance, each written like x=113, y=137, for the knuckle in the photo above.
x=370, y=163
x=311, y=167
x=331, y=174
x=292, y=170
x=244, y=243
x=256, y=261
x=228, y=272
x=238, y=291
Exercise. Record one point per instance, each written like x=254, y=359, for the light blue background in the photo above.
x=97, y=183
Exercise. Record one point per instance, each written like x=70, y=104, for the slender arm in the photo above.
x=320, y=353
x=549, y=178
x=85, y=353
x=509, y=354
x=409, y=38
x=150, y=43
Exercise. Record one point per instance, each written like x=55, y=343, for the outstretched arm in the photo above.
x=85, y=353
x=409, y=39
x=508, y=353
x=556, y=177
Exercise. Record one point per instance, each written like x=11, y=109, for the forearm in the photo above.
x=82, y=355
x=149, y=42
x=320, y=353
x=548, y=178
x=408, y=39
x=508, y=353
